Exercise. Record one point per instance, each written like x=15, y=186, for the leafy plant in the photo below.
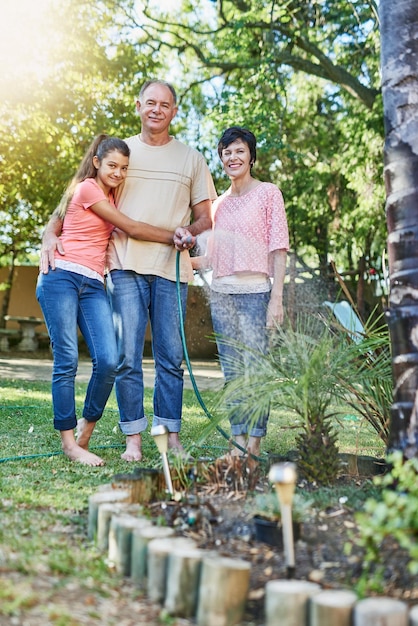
x=370, y=386
x=316, y=370
x=267, y=506
x=393, y=517
x=302, y=372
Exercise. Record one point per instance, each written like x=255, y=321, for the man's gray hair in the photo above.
x=157, y=82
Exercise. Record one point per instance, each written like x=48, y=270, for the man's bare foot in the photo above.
x=176, y=448
x=174, y=442
x=84, y=432
x=133, y=450
x=76, y=453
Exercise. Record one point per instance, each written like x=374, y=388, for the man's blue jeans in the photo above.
x=242, y=318
x=135, y=298
x=69, y=300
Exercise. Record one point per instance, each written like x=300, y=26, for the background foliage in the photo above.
x=302, y=75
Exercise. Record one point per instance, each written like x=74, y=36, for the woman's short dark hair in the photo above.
x=237, y=132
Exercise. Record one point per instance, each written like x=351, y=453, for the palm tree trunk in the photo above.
x=399, y=60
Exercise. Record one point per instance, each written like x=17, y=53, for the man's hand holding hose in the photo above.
x=183, y=239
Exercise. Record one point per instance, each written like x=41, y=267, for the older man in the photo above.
x=168, y=185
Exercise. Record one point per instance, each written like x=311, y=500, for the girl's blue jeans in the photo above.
x=242, y=318
x=70, y=301
x=135, y=298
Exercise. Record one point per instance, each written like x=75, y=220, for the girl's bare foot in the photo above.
x=133, y=450
x=84, y=432
x=75, y=452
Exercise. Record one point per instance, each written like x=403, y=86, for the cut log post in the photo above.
x=287, y=602
x=120, y=540
x=413, y=616
x=223, y=591
x=144, y=485
x=378, y=611
x=113, y=495
x=159, y=551
x=139, y=554
x=329, y=608
x=183, y=581
x=104, y=514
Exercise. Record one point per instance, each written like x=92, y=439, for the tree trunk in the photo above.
x=399, y=60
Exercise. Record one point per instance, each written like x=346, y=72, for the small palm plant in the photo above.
x=316, y=374
x=300, y=373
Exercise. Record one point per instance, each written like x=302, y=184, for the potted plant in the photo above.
x=267, y=517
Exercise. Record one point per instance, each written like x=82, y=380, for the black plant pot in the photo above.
x=270, y=531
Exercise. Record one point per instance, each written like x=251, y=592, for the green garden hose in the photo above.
x=189, y=367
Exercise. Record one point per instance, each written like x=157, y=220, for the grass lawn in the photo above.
x=44, y=497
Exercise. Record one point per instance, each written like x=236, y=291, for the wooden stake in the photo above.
x=159, y=551
x=183, y=581
x=139, y=553
x=104, y=514
x=144, y=485
x=378, y=611
x=120, y=540
x=113, y=495
x=286, y=602
x=329, y=608
x=223, y=591
x=413, y=616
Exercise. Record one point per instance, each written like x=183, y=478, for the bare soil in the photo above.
x=218, y=516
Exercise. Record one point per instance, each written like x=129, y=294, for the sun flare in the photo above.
x=26, y=42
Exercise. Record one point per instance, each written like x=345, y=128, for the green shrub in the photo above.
x=393, y=517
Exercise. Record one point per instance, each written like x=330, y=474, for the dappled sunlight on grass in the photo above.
x=26, y=428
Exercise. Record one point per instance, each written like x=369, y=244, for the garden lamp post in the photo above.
x=160, y=434
x=283, y=477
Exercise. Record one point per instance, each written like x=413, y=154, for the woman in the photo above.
x=73, y=295
x=247, y=248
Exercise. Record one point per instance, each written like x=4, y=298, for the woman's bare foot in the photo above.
x=241, y=440
x=253, y=446
x=84, y=432
x=253, y=449
x=75, y=452
x=133, y=450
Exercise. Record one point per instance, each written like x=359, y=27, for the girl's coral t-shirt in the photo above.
x=85, y=235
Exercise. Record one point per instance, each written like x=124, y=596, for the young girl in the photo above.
x=73, y=295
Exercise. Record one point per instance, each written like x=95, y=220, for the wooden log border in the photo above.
x=287, y=602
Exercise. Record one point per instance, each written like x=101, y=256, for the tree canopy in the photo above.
x=304, y=76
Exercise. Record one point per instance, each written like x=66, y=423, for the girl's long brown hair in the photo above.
x=100, y=147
